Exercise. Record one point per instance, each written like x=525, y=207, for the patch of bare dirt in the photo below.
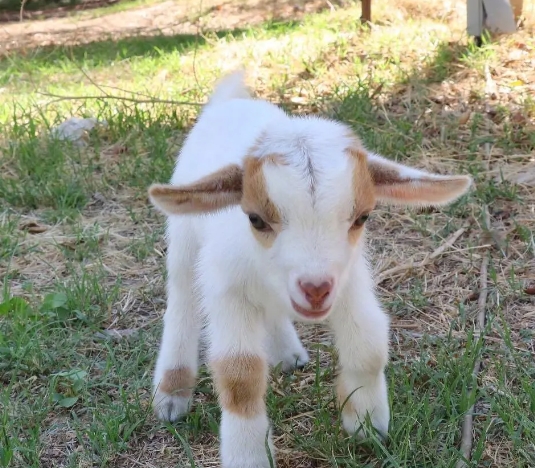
x=167, y=18
x=53, y=12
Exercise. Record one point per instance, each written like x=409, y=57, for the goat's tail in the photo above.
x=231, y=86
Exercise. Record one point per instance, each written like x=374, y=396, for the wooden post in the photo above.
x=517, y=6
x=366, y=11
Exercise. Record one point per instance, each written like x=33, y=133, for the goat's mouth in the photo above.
x=310, y=313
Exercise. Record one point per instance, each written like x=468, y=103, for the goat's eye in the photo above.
x=359, y=222
x=258, y=223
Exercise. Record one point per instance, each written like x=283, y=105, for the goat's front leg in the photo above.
x=361, y=333
x=176, y=366
x=240, y=371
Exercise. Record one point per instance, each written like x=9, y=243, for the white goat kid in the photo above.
x=266, y=216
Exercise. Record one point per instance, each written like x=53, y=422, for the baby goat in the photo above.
x=266, y=225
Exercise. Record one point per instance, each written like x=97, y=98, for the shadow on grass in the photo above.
x=104, y=52
x=10, y=10
x=407, y=120
x=413, y=113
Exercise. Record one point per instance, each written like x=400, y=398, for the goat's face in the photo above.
x=307, y=191
x=308, y=211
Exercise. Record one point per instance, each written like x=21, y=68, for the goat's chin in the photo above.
x=297, y=317
x=308, y=315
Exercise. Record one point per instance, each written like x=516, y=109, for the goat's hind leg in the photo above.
x=284, y=345
x=176, y=367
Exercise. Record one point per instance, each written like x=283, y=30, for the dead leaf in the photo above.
x=33, y=228
x=121, y=149
x=518, y=118
x=516, y=83
x=516, y=54
x=522, y=46
x=472, y=297
x=465, y=117
x=502, y=214
x=491, y=89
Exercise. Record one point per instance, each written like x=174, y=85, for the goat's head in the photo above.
x=307, y=188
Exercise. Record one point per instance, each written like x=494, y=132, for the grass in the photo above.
x=82, y=252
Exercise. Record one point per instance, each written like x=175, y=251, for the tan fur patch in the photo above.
x=355, y=233
x=383, y=175
x=424, y=190
x=355, y=142
x=179, y=382
x=241, y=382
x=390, y=185
x=275, y=158
x=255, y=197
x=215, y=191
x=364, y=191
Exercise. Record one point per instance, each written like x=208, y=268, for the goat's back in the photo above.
x=224, y=134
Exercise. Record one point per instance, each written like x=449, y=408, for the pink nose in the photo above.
x=316, y=294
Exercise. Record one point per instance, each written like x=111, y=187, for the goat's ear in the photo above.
x=221, y=189
x=403, y=185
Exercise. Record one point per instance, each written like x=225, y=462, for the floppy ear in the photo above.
x=403, y=185
x=211, y=193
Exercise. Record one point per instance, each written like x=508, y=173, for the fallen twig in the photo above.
x=21, y=12
x=59, y=97
x=101, y=87
x=467, y=427
x=428, y=259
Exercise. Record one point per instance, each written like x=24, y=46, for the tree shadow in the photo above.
x=151, y=23
x=424, y=105
x=140, y=43
x=10, y=12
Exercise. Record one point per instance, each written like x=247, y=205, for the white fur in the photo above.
x=243, y=442
x=245, y=289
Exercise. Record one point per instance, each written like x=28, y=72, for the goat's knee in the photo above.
x=241, y=383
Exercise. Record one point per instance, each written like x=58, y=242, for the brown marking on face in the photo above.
x=363, y=189
x=241, y=383
x=179, y=382
x=255, y=197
